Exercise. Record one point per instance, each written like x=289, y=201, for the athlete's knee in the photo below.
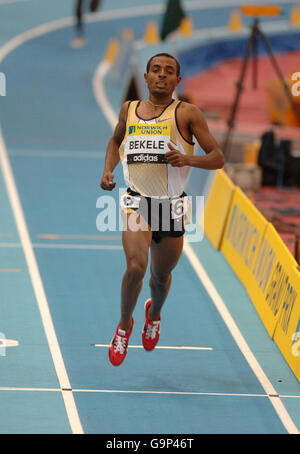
x=136, y=270
x=160, y=279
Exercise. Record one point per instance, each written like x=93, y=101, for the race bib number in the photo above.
x=130, y=201
x=180, y=207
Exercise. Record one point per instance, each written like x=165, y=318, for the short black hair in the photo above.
x=164, y=54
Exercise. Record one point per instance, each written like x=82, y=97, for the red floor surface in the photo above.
x=214, y=91
x=282, y=208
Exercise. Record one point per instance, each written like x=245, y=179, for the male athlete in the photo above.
x=80, y=6
x=154, y=140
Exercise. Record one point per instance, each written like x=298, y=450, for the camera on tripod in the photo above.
x=256, y=33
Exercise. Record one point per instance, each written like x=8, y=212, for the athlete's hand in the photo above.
x=107, y=182
x=175, y=158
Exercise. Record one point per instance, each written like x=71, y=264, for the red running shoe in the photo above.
x=150, y=334
x=119, y=345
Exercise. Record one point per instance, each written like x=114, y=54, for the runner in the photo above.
x=154, y=141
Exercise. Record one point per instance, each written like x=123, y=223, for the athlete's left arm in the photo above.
x=197, y=126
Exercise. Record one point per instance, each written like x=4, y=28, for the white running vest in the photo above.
x=143, y=149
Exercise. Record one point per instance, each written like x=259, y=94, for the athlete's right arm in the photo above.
x=112, y=156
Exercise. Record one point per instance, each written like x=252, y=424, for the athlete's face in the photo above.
x=162, y=77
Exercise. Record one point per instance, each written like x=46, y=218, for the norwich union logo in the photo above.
x=149, y=130
x=131, y=130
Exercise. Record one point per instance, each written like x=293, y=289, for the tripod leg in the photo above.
x=255, y=66
x=240, y=87
x=279, y=73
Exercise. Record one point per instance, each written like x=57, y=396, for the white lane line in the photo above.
x=182, y=393
x=100, y=95
x=10, y=388
x=55, y=236
x=125, y=391
x=8, y=343
x=38, y=288
x=217, y=300
x=78, y=246
x=187, y=393
x=112, y=247
x=162, y=347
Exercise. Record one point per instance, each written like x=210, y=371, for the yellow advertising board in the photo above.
x=282, y=296
x=272, y=272
x=217, y=207
x=261, y=260
x=269, y=273
x=242, y=237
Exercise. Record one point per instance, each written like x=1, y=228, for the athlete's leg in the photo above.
x=164, y=258
x=79, y=41
x=78, y=14
x=136, y=243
